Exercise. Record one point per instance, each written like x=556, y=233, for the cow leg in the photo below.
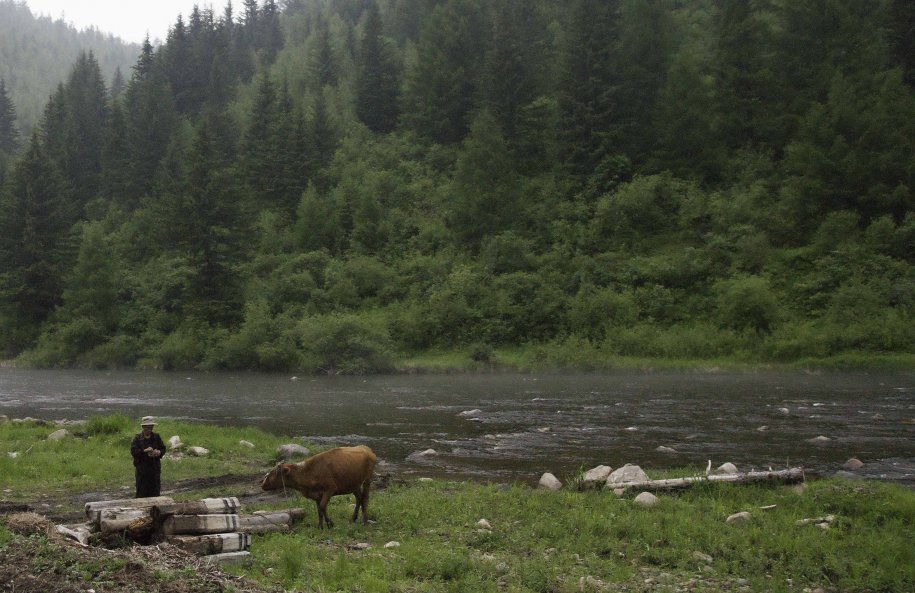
x=358, y=494
x=365, y=501
x=322, y=509
x=320, y=515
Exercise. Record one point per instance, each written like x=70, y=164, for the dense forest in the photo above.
x=340, y=185
x=36, y=54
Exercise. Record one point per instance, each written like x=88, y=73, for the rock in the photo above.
x=784, y=411
x=420, y=455
x=198, y=451
x=470, y=413
x=738, y=518
x=245, y=443
x=484, y=524
x=58, y=435
x=619, y=492
x=291, y=450
x=627, y=473
x=589, y=583
x=544, y=429
x=392, y=544
x=175, y=442
x=852, y=464
x=726, y=468
x=425, y=479
x=704, y=558
x=631, y=428
x=360, y=546
x=818, y=521
x=12, y=455
x=819, y=439
x=596, y=475
x=762, y=428
x=663, y=449
x=549, y=482
x=646, y=499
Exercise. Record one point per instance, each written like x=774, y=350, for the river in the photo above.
x=527, y=423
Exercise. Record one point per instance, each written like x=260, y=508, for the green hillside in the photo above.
x=343, y=185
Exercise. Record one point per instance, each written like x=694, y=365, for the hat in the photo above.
x=148, y=421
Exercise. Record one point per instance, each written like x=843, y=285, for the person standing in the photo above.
x=147, y=450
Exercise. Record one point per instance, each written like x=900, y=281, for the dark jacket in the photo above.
x=141, y=460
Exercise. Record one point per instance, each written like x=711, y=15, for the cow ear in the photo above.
x=286, y=469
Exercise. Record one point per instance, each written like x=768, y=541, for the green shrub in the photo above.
x=748, y=303
x=106, y=425
x=344, y=344
x=594, y=311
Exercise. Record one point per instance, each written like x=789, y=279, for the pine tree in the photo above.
x=271, y=34
x=378, y=86
x=118, y=84
x=259, y=145
x=9, y=131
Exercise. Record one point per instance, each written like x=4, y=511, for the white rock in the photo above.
x=819, y=439
x=738, y=518
x=646, y=499
x=290, y=450
x=631, y=428
x=762, y=428
x=425, y=479
x=549, y=482
x=663, y=449
x=784, y=411
x=13, y=454
x=360, y=546
x=392, y=544
x=470, y=413
x=58, y=435
x=198, y=451
x=853, y=464
x=589, y=583
x=702, y=557
x=596, y=475
x=544, y=429
x=175, y=442
x=245, y=443
x=726, y=468
x=627, y=473
x=484, y=524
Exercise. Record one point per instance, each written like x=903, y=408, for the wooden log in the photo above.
x=199, y=524
x=785, y=476
x=93, y=509
x=266, y=522
x=114, y=520
x=229, y=558
x=216, y=543
x=79, y=532
x=207, y=506
x=294, y=514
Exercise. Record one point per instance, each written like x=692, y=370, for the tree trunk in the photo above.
x=217, y=543
x=786, y=476
x=207, y=506
x=94, y=509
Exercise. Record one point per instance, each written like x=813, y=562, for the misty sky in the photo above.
x=128, y=19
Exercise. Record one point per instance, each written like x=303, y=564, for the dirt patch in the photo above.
x=39, y=563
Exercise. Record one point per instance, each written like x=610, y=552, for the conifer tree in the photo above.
x=9, y=130
x=378, y=86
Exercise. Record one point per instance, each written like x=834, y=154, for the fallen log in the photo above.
x=94, y=509
x=199, y=524
x=229, y=558
x=265, y=522
x=207, y=506
x=785, y=476
x=216, y=543
x=114, y=520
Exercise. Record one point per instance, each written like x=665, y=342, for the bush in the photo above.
x=105, y=425
x=184, y=348
x=594, y=311
x=748, y=303
x=344, y=344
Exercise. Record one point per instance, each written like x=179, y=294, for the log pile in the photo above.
x=212, y=527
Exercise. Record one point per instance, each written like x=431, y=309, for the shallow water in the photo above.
x=527, y=424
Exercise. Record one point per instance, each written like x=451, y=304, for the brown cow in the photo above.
x=344, y=470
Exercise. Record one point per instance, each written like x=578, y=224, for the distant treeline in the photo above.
x=333, y=185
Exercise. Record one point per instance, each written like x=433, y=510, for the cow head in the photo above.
x=277, y=477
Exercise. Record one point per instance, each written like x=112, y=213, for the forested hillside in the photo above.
x=36, y=54
x=339, y=185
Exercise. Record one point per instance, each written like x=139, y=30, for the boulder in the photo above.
x=549, y=482
x=596, y=475
x=484, y=524
x=738, y=518
x=291, y=450
x=470, y=413
x=420, y=455
x=646, y=499
x=853, y=464
x=58, y=435
x=726, y=468
x=392, y=544
x=198, y=451
x=174, y=442
x=245, y=443
x=663, y=449
x=627, y=473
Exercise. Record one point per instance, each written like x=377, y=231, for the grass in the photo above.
x=539, y=542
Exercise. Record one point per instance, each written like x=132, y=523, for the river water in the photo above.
x=527, y=423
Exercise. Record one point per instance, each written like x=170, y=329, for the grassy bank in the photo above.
x=537, y=541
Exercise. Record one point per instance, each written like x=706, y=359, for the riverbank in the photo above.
x=530, y=541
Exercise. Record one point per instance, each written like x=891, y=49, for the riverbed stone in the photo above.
x=853, y=464
x=290, y=450
x=726, y=468
x=470, y=413
x=664, y=449
x=198, y=451
x=625, y=474
x=422, y=455
x=738, y=518
x=596, y=475
x=646, y=499
x=549, y=482
x=819, y=439
x=59, y=435
x=784, y=411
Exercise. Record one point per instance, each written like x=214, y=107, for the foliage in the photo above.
x=335, y=186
